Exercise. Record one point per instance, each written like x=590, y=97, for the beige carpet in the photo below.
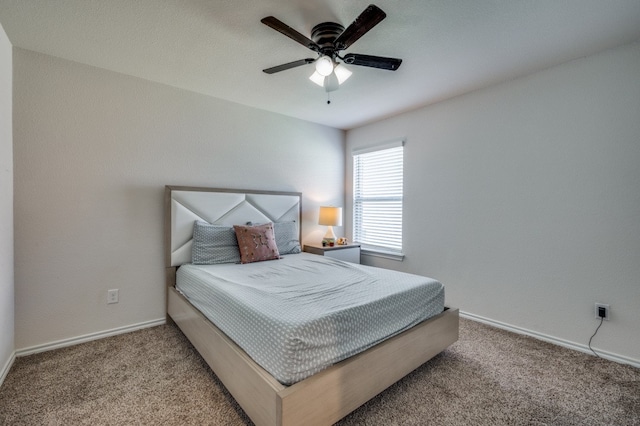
x=489, y=377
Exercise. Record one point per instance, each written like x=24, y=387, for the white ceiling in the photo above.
x=219, y=48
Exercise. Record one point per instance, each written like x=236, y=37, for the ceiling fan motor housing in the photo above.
x=324, y=35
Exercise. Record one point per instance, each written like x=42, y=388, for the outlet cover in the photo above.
x=607, y=311
x=112, y=296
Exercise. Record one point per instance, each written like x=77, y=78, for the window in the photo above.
x=377, y=197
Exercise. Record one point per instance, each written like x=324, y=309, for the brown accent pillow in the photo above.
x=256, y=243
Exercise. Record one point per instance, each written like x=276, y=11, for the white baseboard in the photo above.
x=7, y=367
x=550, y=339
x=88, y=337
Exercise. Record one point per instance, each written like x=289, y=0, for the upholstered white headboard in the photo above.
x=185, y=205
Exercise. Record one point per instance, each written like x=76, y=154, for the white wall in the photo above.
x=524, y=199
x=6, y=207
x=93, y=150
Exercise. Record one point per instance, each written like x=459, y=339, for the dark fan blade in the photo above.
x=391, y=64
x=289, y=65
x=283, y=28
x=368, y=19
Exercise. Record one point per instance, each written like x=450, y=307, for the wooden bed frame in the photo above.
x=323, y=398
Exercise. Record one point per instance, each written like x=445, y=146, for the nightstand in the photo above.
x=348, y=252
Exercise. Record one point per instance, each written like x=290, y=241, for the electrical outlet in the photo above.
x=606, y=309
x=112, y=296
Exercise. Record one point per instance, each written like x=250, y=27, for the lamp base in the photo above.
x=329, y=238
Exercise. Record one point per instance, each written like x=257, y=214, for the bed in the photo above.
x=322, y=397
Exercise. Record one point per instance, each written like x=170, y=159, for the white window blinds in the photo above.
x=377, y=197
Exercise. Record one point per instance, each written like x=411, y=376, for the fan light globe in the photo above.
x=317, y=79
x=324, y=66
x=342, y=73
x=331, y=82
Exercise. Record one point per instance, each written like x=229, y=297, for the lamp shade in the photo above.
x=330, y=216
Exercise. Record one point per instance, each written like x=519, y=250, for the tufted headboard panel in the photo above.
x=185, y=205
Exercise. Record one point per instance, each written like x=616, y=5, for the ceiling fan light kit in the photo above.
x=329, y=74
x=328, y=39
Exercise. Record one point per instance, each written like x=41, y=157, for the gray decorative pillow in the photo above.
x=214, y=244
x=287, y=237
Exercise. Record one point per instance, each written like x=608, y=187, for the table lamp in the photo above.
x=330, y=216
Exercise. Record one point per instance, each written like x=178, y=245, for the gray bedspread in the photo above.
x=300, y=314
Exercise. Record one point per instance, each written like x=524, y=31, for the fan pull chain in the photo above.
x=328, y=98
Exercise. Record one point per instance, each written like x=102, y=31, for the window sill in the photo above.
x=384, y=254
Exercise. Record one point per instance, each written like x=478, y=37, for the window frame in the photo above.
x=368, y=248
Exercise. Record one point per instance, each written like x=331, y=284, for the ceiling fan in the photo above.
x=328, y=39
